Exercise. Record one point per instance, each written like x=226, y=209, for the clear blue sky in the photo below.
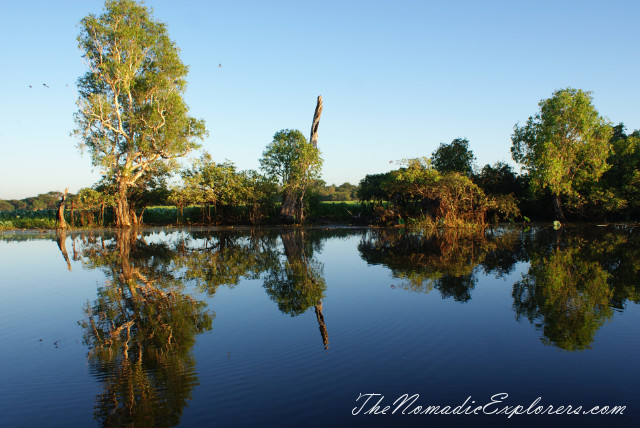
x=397, y=78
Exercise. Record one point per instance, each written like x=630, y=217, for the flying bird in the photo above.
x=30, y=86
x=45, y=85
x=219, y=65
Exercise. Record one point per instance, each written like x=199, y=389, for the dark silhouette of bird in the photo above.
x=219, y=65
x=45, y=85
x=30, y=86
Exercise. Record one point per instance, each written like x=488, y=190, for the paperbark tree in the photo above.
x=132, y=115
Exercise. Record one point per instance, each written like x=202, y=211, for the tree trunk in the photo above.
x=132, y=216
x=557, y=207
x=125, y=240
x=288, y=211
x=62, y=224
x=322, y=326
x=122, y=206
x=61, y=239
x=313, y=139
x=73, y=220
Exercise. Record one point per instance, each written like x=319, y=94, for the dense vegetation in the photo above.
x=134, y=123
x=417, y=193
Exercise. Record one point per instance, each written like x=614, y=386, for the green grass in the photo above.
x=28, y=223
x=324, y=211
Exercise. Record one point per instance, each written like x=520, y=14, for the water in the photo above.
x=294, y=327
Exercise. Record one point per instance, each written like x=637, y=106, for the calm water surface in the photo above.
x=289, y=327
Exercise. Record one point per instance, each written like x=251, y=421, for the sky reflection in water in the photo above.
x=283, y=327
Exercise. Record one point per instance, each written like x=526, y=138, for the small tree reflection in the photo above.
x=298, y=283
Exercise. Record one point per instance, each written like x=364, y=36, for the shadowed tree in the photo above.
x=454, y=157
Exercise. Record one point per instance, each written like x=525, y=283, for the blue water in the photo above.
x=289, y=327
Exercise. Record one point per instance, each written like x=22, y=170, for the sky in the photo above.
x=397, y=78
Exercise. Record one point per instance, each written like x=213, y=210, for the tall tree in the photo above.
x=293, y=202
x=454, y=157
x=132, y=116
x=563, y=146
x=293, y=163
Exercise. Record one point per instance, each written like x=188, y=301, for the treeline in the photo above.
x=43, y=201
x=576, y=165
x=447, y=189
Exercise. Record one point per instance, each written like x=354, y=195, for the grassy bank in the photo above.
x=319, y=212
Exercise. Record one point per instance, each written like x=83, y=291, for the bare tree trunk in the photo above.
x=122, y=206
x=313, y=139
x=321, y=325
x=61, y=238
x=557, y=207
x=62, y=224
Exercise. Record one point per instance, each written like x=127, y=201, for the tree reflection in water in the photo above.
x=575, y=280
x=143, y=324
x=140, y=331
x=445, y=261
x=298, y=283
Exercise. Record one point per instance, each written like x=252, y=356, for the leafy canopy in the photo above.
x=566, y=143
x=131, y=113
x=454, y=157
x=290, y=159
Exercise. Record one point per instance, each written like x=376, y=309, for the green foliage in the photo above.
x=454, y=157
x=140, y=331
x=43, y=201
x=449, y=200
x=6, y=206
x=27, y=219
x=619, y=187
x=443, y=261
x=569, y=292
x=289, y=158
x=132, y=117
x=419, y=192
x=294, y=164
x=371, y=188
x=343, y=192
x=499, y=179
x=208, y=183
x=564, y=146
